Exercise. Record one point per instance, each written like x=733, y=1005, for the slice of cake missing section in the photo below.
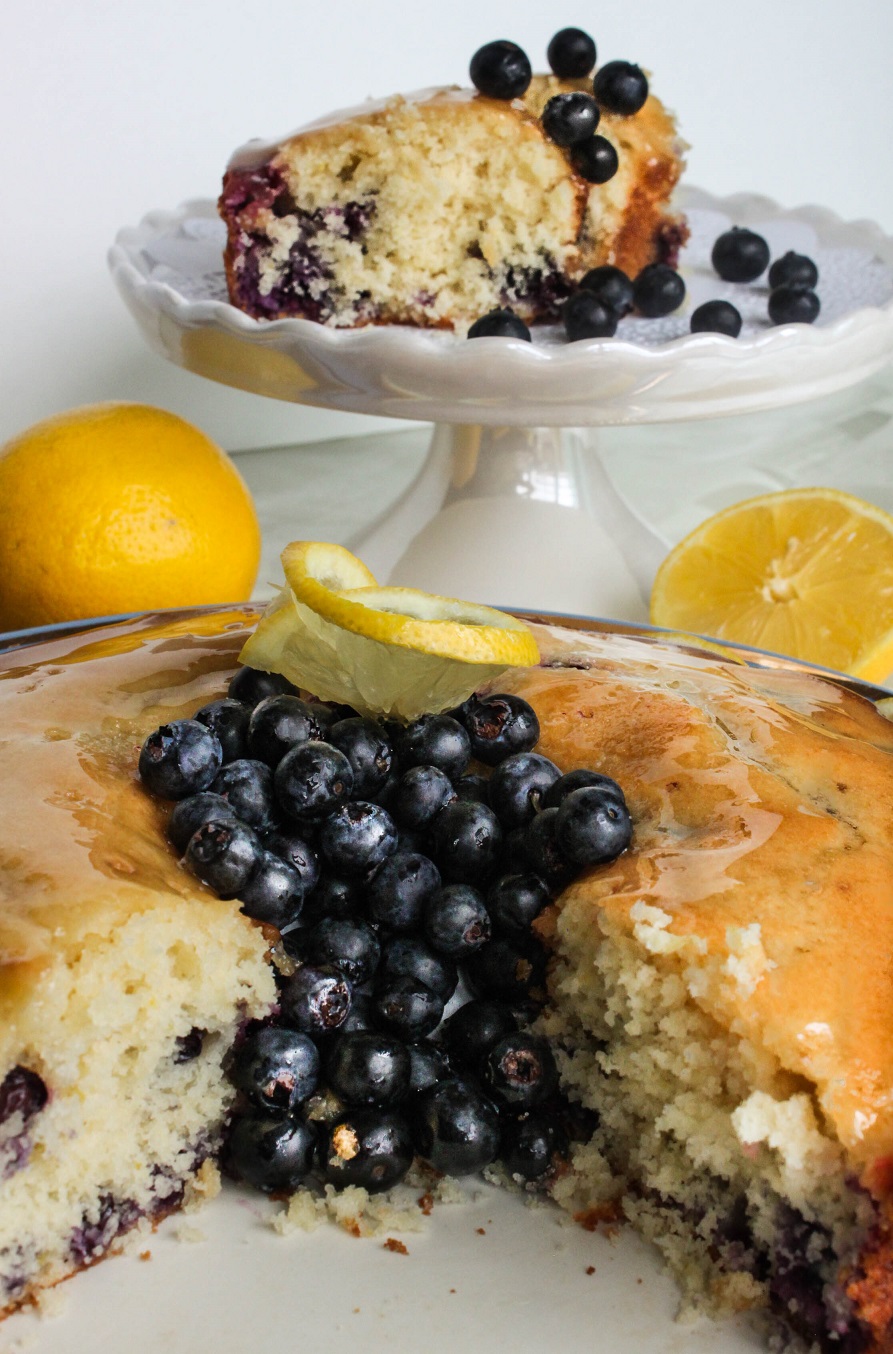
x=722, y=994
x=434, y=208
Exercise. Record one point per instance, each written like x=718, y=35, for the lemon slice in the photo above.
x=805, y=572
x=385, y=651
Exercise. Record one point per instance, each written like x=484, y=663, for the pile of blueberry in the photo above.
x=402, y=866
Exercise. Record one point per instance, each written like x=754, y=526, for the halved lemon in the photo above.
x=805, y=572
x=385, y=651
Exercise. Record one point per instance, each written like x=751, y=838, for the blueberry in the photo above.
x=455, y=1128
x=612, y=287
x=397, y=892
x=716, y=317
x=412, y=957
x=274, y=893
x=224, y=855
x=428, y=1064
x=316, y=999
x=358, y=837
x=179, y=759
x=499, y=725
x=533, y=1145
x=570, y=118
x=467, y=839
x=347, y=943
x=333, y=896
x=277, y=724
x=456, y=921
x=22, y=1092
x=793, y=305
x=368, y=750
x=571, y=54
x=595, y=160
x=592, y=827
x=370, y=1148
x=313, y=780
x=500, y=324
x=326, y=715
x=518, y=786
x=507, y=969
x=361, y=1017
x=515, y=901
x=247, y=786
x=277, y=1068
x=793, y=270
x=435, y=740
x=500, y=70
x=520, y=1070
x=368, y=1069
x=586, y=316
x=250, y=686
x=575, y=780
x=419, y=795
x=408, y=1008
x=620, y=87
x=473, y=789
x=475, y=1028
x=542, y=852
x=270, y=1154
x=189, y=814
x=658, y=290
x=296, y=851
x=228, y=719
x=740, y=255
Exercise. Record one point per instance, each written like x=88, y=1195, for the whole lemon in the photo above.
x=120, y=507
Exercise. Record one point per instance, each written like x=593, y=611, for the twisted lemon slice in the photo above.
x=385, y=651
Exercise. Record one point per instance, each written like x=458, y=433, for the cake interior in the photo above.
x=118, y=1120
x=714, y=1152
x=434, y=211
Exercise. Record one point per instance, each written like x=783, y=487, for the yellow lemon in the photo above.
x=805, y=572
x=385, y=651
x=120, y=507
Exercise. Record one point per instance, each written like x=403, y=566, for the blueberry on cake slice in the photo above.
x=123, y=983
x=721, y=995
x=435, y=208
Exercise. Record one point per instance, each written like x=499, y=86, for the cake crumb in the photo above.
x=145, y=1255
x=426, y=1203
x=590, y=1269
x=185, y=1231
x=50, y=1303
x=205, y=1184
x=481, y=1231
x=397, y=1247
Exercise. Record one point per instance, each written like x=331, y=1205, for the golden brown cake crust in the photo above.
x=760, y=800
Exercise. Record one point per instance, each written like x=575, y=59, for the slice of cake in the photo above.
x=122, y=981
x=434, y=208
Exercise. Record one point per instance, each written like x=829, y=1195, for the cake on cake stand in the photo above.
x=542, y=458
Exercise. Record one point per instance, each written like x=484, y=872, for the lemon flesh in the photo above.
x=805, y=572
x=385, y=651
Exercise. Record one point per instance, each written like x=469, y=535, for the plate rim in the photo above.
x=14, y=641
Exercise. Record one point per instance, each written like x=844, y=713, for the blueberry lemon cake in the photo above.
x=434, y=208
x=705, y=854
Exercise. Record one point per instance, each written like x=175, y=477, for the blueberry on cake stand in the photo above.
x=540, y=459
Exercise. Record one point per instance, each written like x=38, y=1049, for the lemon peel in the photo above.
x=385, y=651
x=805, y=572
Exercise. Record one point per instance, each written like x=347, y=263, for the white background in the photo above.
x=113, y=107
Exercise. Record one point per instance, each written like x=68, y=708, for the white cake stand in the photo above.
x=517, y=500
